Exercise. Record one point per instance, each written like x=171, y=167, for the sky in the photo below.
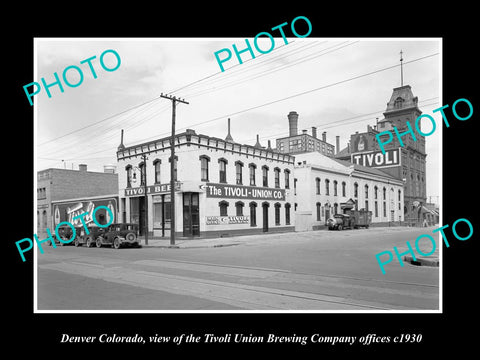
x=338, y=85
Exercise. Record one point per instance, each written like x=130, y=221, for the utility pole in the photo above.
x=401, y=67
x=146, y=197
x=172, y=166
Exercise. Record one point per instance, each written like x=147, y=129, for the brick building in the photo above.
x=222, y=187
x=62, y=184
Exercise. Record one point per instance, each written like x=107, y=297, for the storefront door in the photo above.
x=191, y=215
x=265, y=217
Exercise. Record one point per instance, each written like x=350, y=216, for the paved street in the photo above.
x=321, y=270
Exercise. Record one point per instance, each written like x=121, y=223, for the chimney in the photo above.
x=269, y=145
x=109, y=169
x=338, y=145
x=348, y=147
x=121, y=146
x=314, y=132
x=82, y=167
x=229, y=137
x=324, y=136
x=293, y=122
x=258, y=143
x=304, y=131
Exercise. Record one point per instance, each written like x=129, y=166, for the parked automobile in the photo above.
x=65, y=232
x=118, y=235
x=340, y=221
x=360, y=217
x=90, y=238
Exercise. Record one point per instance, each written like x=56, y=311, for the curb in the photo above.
x=189, y=247
x=421, y=261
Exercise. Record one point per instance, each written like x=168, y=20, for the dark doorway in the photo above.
x=265, y=216
x=141, y=216
x=191, y=215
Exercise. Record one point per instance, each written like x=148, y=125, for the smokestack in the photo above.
x=229, y=137
x=314, y=132
x=269, y=145
x=82, y=167
x=304, y=131
x=258, y=143
x=293, y=122
x=121, y=146
x=324, y=136
x=338, y=145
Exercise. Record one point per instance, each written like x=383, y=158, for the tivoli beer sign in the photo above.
x=377, y=159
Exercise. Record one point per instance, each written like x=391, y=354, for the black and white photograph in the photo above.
x=282, y=195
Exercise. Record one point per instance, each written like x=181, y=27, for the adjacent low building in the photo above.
x=326, y=186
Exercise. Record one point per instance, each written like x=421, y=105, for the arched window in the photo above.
x=204, y=162
x=318, y=211
x=277, y=177
x=355, y=190
x=375, y=192
x=344, y=188
x=317, y=185
x=128, y=169
x=253, y=213
x=223, y=205
x=327, y=187
x=156, y=165
x=287, y=214
x=265, y=175
x=277, y=213
x=239, y=208
x=398, y=103
x=252, y=168
x=366, y=191
x=239, y=172
x=222, y=170
x=335, y=183
x=287, y=179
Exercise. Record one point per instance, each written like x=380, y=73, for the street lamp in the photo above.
x=134, y=178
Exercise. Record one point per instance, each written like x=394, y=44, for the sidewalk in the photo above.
x=431, y=260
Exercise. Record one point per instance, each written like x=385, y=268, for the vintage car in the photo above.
x=65, y=233
x=340, y=221
x=90, y=238
x=118, y=235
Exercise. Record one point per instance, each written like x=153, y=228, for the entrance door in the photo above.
x=265, y=217
x=141, y=217
x=327, y=214
x=191, y=215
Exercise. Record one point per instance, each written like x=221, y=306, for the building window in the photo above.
x=222, y=167
x=335, y=183
x=239, y=208
x=317, y=185
x=41, y=193
x=128, y=168
x=355, y=190
x=384, y=195
x=239, y=171
x=327, y=187
x=344, y=188
x=252, y=168
x=277, y=213
x=287, y=179
x=253, y=214
x=399, y=199
x=141, y=166
x=287, y=214
x=335, y=208
x=319, y=206
x=366, y=191
x=277, y=177
x=375, y=192
x=223, y=205
x=175, y=163
x=265, y=175
x=204, y=161
x=366, y=205
x=384, y=209
x=156, y=165
x=376, y=208
x=398, y=103
x=295, y=187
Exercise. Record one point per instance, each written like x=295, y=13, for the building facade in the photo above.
x=326, y=186
x=222, y=188
x=297, y=143
x=62, y=184
x=407, y=162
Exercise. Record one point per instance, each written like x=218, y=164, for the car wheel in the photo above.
x=366, y=227
x=76, y=243
x=116, y=243
x=98, y=243
x=89, y=242
x=340, y=227
x=130, y=236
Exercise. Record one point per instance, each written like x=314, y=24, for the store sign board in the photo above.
x=377, y=159
x=151, y=189
x=227, y=220
x=243, y=192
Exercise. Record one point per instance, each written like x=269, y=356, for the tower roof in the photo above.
x=402, y=98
